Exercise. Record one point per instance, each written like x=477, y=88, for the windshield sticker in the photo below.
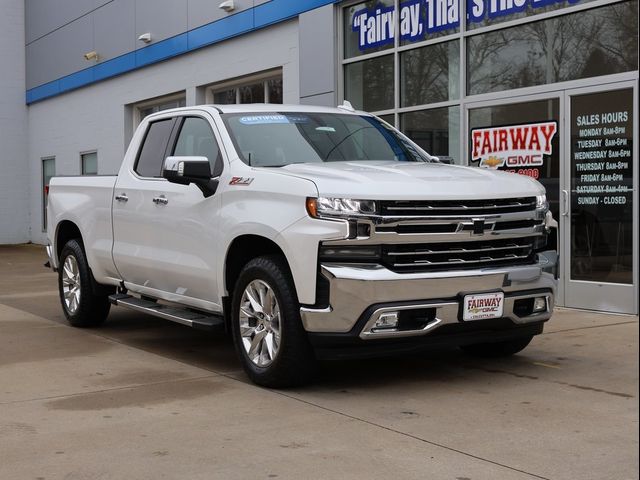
x=272, y=119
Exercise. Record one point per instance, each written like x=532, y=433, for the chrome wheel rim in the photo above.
x=260, y=326
x=71, y=284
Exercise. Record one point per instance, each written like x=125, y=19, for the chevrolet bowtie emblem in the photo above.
x=478, y=227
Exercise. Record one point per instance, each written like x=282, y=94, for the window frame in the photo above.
x=82, y=154
x=238, y=82
x=152, y=102
x=170, y=141
x=43, y=186
x=173, y=140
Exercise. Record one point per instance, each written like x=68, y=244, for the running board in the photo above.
x=184, y=316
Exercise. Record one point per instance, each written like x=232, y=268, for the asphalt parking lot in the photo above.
x=144, y=398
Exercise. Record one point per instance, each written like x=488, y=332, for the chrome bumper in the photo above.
x=359, y=294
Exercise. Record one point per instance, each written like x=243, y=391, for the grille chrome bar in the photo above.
x=460, y=261
x=440, y=207
x=461, y=250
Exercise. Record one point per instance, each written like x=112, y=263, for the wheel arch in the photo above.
x=65, y=231
x=243, y=249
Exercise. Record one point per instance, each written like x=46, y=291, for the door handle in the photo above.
x=161, y=200
x=565, y=203
x=122, y=197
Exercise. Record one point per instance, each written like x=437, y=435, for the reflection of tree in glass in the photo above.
x=584, y=44
x=430, y=74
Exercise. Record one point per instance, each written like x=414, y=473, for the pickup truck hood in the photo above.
x=377, y=180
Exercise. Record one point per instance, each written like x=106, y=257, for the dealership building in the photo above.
x=544, y=88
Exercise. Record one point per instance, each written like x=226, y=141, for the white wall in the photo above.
x=95, y=117
x=14, y=167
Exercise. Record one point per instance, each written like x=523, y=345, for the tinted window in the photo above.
x=151, y=157
x=196, y=140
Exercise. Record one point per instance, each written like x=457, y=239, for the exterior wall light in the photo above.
x=92, y=55
x=227, y=6
x=145, y=37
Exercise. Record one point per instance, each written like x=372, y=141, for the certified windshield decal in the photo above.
x=272, y=119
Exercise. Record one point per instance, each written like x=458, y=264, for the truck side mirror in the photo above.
x=186, y=170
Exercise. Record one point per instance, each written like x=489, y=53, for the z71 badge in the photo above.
x=241, y=181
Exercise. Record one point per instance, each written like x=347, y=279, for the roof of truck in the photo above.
x=276, y=107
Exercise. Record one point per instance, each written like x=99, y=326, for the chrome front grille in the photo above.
x=458, y=255
x=417, y=236
x=404, y=208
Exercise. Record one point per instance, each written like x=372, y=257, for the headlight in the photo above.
x=541, y=201
x=339, y=207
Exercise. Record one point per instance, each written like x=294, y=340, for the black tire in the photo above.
x=498, y=349
x=294, y=362
x=90, y=310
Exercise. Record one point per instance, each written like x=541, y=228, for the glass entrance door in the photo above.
x=599, y=231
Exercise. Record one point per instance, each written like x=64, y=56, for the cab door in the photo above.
x=165, y=234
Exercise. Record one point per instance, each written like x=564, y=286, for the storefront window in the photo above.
x=369, y=84
x=437, y=131
x=602, y=187
x=368, y=27
x=430, y=74
x=584, y=44
x=481, y=13
x=531, y=146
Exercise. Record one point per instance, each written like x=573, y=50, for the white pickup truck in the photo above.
x=307, y=232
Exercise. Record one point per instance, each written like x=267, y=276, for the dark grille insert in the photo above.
x=458, y=255
x=402, y=208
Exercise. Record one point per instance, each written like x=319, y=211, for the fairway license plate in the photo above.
x=482, y=306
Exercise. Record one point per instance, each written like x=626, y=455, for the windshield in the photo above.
x=278, y=139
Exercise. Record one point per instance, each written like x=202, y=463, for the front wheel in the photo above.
x=498, y=349
x=80, y=305
x=268, y=334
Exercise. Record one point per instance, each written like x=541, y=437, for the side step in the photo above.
x=184, y=316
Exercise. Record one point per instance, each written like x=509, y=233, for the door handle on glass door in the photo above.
x=122, y=197
x=565, y=203
x=161, y=200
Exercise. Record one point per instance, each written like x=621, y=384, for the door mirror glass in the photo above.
x=186, y=170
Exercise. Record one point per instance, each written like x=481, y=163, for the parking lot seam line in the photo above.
x=409, y=435
x=591, y=326
x=556, y=382
x=104, y=390
x=46, y=293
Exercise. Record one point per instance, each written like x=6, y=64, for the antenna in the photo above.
x=346, y=105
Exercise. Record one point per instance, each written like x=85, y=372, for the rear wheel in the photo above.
x=80, y=305
x=498, y=349
x=268, y=334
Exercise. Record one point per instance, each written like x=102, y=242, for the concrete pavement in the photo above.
x=144, y=398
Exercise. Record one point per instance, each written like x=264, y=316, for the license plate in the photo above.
x=482, y=306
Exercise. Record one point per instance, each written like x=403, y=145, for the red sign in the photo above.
x=513, y=146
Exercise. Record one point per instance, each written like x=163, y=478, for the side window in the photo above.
x=196, y=139
x=152, y=154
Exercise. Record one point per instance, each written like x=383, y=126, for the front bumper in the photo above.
x=358, y=294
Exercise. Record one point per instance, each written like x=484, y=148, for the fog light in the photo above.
x=540, y=304
x=386, y=321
